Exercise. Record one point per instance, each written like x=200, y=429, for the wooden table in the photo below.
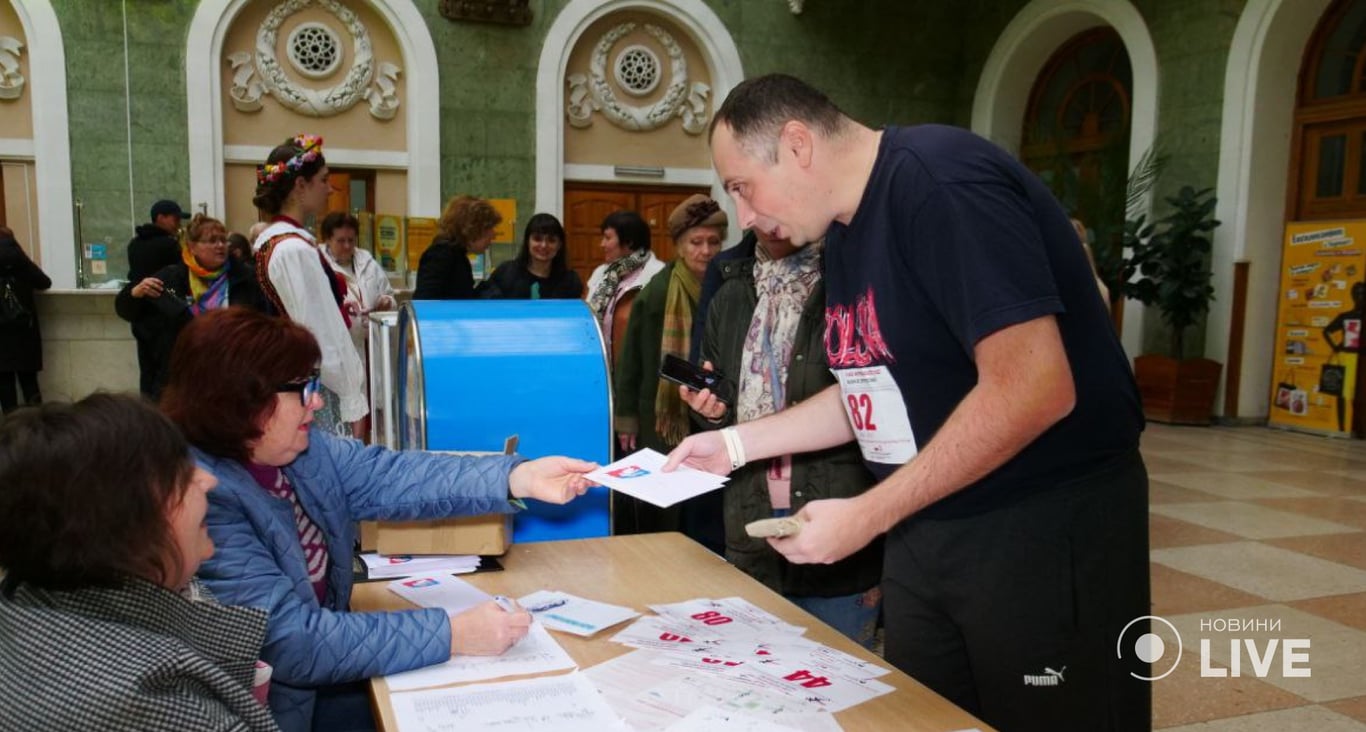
x=662, y=568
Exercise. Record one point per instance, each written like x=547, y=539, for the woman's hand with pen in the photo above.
x=488, y=629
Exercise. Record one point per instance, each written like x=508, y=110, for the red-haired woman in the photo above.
x=290, y=187
x=101, y=624
x=244, y=391
x=205, y=279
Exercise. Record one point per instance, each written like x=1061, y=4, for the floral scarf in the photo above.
x=208, y=287
x=671, y=412
x=617, y=271
x=783, y=286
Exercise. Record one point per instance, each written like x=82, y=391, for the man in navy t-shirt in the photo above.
x=982, y=379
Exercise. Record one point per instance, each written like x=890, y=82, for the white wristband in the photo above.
x=735, y=449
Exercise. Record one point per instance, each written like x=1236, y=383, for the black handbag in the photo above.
x=1332, y=377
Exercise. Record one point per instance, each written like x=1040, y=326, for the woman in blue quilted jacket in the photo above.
x=244, y=388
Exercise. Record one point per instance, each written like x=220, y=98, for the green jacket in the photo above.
x=636, y=378
x=837, y=472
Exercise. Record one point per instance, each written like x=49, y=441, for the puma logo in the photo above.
x=1048, y=678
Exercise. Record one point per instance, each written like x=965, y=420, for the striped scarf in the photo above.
x=671, y=412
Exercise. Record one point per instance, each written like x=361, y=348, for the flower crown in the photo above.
x=309, y=146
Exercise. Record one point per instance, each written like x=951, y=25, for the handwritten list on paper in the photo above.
x=567, y=703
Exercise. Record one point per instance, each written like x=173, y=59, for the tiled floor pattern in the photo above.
x=1258, y=524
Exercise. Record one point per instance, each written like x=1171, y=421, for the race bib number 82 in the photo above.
x=877, y=412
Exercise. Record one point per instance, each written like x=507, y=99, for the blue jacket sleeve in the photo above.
x=392, y=485
x=308, y=645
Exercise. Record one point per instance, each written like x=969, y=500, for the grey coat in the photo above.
x=136, y=657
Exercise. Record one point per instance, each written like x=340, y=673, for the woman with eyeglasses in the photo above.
x=244, y=390
x=205, y=279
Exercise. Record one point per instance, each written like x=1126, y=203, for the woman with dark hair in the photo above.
x=243, y=389
x=444, y=271
x=629, y=267
x=367, y=287
x=205, y=279
x=297, y=280
x=21, y=342
x=540, y=271
x=102, y=625
x=239, y=248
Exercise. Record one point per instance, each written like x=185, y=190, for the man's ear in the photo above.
x=795, y=139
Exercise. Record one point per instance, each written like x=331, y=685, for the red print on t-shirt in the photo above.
x=852, y=335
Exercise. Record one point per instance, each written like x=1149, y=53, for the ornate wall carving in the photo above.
x=314, y=52
x=637, y=70
x=11, y=78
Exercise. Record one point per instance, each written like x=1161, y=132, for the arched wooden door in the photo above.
x=1076, y=137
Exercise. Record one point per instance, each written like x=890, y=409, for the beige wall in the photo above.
x=355, y=128
x=21, y=204
x=391, y=192
x=16, y=115
x=603, y=142
x=239, y=186
x=86, y=347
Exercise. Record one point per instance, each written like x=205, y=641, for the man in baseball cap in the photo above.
x=155, y=245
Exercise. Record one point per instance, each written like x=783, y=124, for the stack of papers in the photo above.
x=393, y=566
x=572, y=614
x=737, y=658
x=641, y=475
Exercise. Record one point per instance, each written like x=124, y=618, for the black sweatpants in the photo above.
x=1015, y=614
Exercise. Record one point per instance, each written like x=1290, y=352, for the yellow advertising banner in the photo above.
x=505, y=232
x=388, y=240
x=1318, y=327
x=421, y=233
x=365, y=237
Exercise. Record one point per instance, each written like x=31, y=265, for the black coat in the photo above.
x=162, y=318
x=21, y=344
x=512, y=281
x=151, y=250
x=444, y=273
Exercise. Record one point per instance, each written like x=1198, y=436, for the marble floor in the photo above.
x=1252, y=524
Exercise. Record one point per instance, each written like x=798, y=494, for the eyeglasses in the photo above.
x=306, y=388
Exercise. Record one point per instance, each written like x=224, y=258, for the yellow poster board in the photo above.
x=421, y=232
x=365, y=237
x=1318, y=325
x=388, y=240
x=505, y=232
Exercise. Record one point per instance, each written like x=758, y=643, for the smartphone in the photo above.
x=686, y=373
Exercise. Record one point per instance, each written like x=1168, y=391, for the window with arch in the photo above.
x=1328, y=169
x=1076, y=136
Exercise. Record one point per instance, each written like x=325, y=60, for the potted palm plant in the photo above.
x=1171, y=255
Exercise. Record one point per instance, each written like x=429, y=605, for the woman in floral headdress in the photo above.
x=205, y=279
x=298, y=281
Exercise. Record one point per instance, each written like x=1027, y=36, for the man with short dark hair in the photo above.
x=154, y=246
x=979, y=373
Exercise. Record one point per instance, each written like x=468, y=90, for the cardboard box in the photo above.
x=486, y=535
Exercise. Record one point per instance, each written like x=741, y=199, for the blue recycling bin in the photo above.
x=472, y=373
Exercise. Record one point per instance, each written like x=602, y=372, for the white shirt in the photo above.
x=298, y=277
x=366, y=287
